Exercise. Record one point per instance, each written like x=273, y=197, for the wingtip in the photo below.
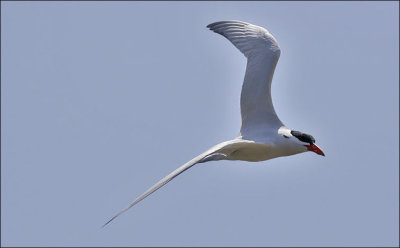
x=228, y=22
x=109, y=221
x=212, y=25
x=218, y=26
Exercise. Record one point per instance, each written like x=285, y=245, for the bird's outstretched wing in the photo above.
x=206, y=156
x=262, y=52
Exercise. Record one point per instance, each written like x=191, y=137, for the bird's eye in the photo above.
x=287, y=137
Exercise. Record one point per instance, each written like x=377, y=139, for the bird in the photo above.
x=262, y=134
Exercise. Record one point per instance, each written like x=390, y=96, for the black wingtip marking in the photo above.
x=110, y=220
x=213, y=25
x=107, y=223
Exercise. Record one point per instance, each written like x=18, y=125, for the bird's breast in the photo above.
x=254, y=152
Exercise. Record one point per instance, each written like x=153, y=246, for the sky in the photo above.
x=100, y=100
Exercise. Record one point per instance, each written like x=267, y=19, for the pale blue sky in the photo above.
x=102, y=99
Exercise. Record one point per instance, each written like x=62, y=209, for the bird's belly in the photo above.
x=256, y=152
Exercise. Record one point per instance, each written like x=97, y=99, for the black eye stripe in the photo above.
x=303, y=137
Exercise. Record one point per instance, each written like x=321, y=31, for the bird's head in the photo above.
x=308, y=141
x=300, y=140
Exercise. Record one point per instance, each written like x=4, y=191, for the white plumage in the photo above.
x=262, y=52
x=262, y=135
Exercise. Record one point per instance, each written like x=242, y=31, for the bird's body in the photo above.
x=262, y=135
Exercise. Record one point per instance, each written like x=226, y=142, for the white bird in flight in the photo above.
x=262, y=135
